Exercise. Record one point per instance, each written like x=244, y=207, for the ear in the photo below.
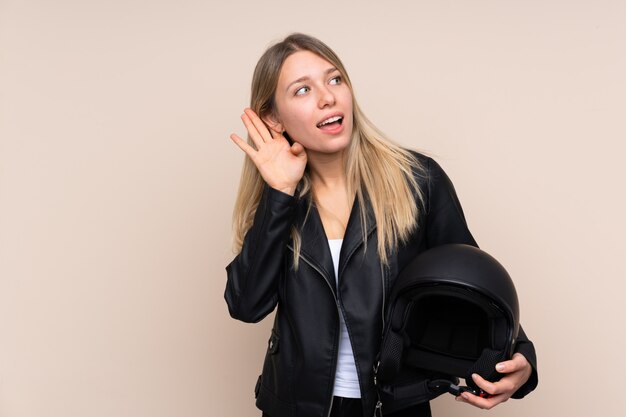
x=271, y=121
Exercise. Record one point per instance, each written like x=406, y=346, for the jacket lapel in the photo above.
x=353, y=237
x=314, y=245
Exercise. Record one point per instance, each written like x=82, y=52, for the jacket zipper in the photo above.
x=330, y=407
x=382, y=278
x=378, y=411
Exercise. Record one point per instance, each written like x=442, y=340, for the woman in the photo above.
x=328, y=212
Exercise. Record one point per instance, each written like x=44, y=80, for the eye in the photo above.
x=300, y=89
x=338, y=78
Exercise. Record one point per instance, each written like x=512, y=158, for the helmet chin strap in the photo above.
x=484, y=366
x=451, y=386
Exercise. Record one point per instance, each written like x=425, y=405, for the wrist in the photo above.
x=288, y=190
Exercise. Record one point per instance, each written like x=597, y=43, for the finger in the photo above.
x=515, y=364
x=252, y=131
x=504, y=386
x=484, y=403
x=258, y=124
x=297, y=149
x=487, y=386
x=249, y=150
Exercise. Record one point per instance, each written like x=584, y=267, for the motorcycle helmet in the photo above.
x=452, y=311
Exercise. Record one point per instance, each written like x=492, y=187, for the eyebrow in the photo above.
x=306, y=77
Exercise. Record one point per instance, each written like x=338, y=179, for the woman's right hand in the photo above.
x=281, y=165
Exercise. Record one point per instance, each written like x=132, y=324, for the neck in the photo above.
x=328, y=171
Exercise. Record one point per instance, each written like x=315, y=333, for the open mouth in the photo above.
x=331, y=123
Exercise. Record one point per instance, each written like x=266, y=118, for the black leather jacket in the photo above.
x=299, y=368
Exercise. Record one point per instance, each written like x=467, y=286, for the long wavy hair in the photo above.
x=376, y=167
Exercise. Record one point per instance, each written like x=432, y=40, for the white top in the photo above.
x=346, y=379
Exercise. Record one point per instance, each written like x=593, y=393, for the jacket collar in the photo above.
x=314, y=243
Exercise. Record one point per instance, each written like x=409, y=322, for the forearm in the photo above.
x=526, y=348
x=253, y=276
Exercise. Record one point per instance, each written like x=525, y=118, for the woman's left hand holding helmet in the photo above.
x=517, y=371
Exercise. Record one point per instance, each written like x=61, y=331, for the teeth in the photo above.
x=327, y=121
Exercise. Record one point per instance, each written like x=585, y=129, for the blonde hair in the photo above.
x=376, y=167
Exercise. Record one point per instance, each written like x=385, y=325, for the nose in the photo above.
x=326, y=98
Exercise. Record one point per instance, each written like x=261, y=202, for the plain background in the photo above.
x=117, y=183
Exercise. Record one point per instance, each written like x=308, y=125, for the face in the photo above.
x=311, y=91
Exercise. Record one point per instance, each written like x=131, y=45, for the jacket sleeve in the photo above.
x=526, y=348
x=445, y=223
x=252, y=286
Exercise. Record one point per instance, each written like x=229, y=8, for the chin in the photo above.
x=333, y=145
x=330, y=149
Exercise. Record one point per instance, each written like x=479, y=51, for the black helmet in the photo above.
x=453, y=311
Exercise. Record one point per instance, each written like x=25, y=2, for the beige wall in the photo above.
x=117, y=181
